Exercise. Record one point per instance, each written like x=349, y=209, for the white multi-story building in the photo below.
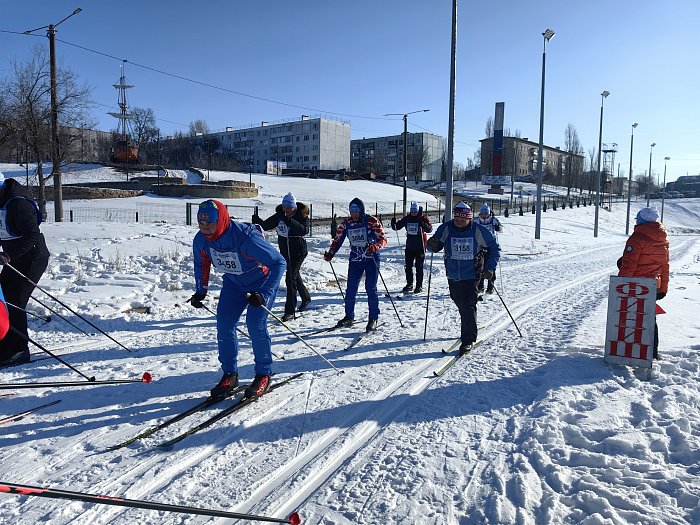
x=384, y=156
x=320, y=143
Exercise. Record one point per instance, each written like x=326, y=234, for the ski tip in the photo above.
x=147, y=377
x=294, y=518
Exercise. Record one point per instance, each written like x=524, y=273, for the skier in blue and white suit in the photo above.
x=252, y=270
x=462, y=240
x=366, y=237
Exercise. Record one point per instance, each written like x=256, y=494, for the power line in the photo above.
x=227, y=90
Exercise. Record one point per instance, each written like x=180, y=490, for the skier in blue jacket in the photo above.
x=366, y=237
x=462, y=240
x=252, y=270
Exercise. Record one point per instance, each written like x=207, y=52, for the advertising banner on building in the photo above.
x=495, y=180
x=275, y=167
x=629, y=338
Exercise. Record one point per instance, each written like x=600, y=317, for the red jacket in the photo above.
x=646, y=254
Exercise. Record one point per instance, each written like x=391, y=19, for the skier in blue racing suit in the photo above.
x=252, y=270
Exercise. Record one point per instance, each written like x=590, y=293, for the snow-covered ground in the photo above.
x=526, y=430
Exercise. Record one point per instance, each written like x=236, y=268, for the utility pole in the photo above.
x=55, y=151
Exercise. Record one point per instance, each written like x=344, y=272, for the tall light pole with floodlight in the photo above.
x=405, y=149
x=603, y=96
x=651, y=150
x=663, y=189
x=629, y=183
x=55, y=152
x=548, y=34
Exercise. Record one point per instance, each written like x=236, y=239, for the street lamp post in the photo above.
x=629, y=183
x=405, y=149
x=663, y=189
x=603, y=96
x=651, y=150
x=55, y=152
x=548, y=34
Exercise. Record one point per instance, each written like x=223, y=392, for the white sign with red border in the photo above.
x=629, y=338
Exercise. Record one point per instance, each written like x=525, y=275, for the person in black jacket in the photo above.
x=24, y=247
x=291, y=219
x=417, y=226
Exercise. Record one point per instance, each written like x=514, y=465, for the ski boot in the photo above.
x=259, y=386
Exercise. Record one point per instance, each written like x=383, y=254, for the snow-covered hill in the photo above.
x=523, y=430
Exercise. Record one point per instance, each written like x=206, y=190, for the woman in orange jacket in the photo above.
x=646, y=255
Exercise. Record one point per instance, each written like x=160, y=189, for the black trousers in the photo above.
x=294, y=284
x=464, y=294
x=417, y=258
x=17, y=291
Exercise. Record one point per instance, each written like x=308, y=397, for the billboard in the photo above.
x=275, y=167
x=629, y=337
x=495, y=180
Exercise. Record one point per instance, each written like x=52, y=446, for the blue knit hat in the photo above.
x=208, y=212
x=354, y=207
x=485, y=209
x=289, y=200
x=646, y=215
x=414, y=207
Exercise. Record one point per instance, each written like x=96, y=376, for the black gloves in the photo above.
x=393, y=223
x=328, y=255
x=255, y=219
x=487, y=274
x=434, y=245
x=255, y=299
x=196, y=299
x=660, y=295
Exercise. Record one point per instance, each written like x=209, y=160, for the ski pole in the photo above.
x=28, y=490
x=21, y=415
x=60, y=316
x=145, y=378
x=241, y=331
x=387, y=291
x=300, y=338
x=504, y=306
x=427, y=302
x=27, y=338
x=64, y=305
x=45, y=319
x=337, y=281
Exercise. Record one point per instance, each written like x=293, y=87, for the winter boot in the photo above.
x=17, y=358
x=227, y=384
x=489, y=288
x=407, y=288
x=372, y=325
x=345, y=322
x=465, y=348
x=304, y=305
x=287, y=317
x=259, y=385
x=418, y=289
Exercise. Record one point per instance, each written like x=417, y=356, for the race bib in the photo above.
x=358, y=237
x=412, y=228
x=282, y=229
x=227, y=262
x=462, y=249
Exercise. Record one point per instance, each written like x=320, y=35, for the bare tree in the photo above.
x=144, y=125
x=488, y=129
x=198, y=126
x=417, y=160
x=28, y=95
x=573, y=165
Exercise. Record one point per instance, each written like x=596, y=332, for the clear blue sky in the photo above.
x=358, y=60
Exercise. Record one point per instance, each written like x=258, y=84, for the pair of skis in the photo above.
x=237, y=405
x=453, y=359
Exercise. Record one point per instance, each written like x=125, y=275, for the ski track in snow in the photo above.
x=518, y=431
